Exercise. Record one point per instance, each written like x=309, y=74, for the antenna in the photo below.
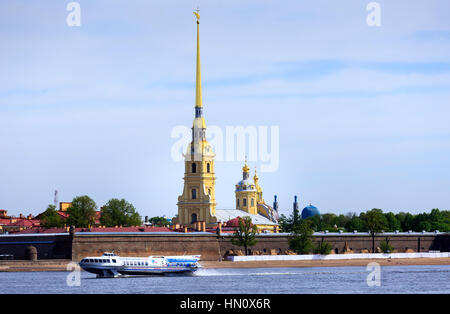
x=55, y=200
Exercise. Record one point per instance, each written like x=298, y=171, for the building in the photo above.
x=11, y=224
x=198, y=202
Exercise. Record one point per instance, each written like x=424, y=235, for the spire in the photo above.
x=255, y=177
x=245, y=168
x=198, y=86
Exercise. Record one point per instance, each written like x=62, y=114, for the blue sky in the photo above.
x=363, y=111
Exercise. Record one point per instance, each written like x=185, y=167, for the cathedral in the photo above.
x=198, y=202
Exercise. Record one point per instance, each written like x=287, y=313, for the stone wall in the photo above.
x=210, y=246
x=47, y=246
x=278, y=244
x=146, y=244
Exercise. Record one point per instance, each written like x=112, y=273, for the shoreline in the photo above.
x=61, y=265
x=328, y=263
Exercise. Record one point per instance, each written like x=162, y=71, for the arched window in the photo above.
x=209, y=191
x=194, y=194
x=237, y=202
x=244, y=202
x=253, y=202
x=208, y=168
x=193, y=218
x=194, y=167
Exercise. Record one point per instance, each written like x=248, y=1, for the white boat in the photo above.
x=112, y=265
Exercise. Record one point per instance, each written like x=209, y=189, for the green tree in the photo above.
x=50, y=218
x=119, y=213
x=245, y=235
x=323, y=248
x=285, y=223
x=354, y=223
x=392, y=222
x=375, y=222
x=406, y=221
x=159, y=221
x=81, y=212
x=300, y=239
x=385, y=246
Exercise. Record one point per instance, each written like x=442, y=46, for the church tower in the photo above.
x=246, y=193
x=198, y=202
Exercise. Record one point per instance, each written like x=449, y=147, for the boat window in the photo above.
x=113, y=260
x=95, y=260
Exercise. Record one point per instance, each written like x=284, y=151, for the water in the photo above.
x=348, y=280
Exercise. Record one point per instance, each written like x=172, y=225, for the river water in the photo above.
x=347, y=280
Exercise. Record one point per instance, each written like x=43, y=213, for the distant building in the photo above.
x=11, y=224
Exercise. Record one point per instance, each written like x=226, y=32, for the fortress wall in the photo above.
x=145, y=245
x=355, y=243
x=358, y=243
x=58, y=246
x=211, y=247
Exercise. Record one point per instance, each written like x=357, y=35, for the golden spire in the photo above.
x=198, y=87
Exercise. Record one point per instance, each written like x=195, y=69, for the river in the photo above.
x=342, y=280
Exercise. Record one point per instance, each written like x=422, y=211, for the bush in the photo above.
x=323, y=248
x=385, y=246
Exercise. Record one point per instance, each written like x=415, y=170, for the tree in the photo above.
x=354, y=223
x=50, y=218
x=245, y=235
x=285, y=223
x=392, y=222
x=300, y=239
x=159, y=221
x=119, y=213
x=385, y=246
x=81, y=212
x=323, y=247
x=375, y=222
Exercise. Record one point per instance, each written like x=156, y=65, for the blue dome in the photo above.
x=309, y=211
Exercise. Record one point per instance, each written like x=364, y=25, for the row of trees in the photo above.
x=373, y=221
x=390, y=222
x=82, y=214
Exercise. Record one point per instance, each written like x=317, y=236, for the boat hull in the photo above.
x=111, y=265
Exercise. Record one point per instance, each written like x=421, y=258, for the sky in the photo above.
x=362, y=112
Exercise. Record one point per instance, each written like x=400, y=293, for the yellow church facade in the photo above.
x=197, y=201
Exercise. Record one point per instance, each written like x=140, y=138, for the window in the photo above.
x=208, y=168
x=193, y=218
x=194, y=194
x=237, y=202
x=209, y=191
x=194, y=167
x=244, y=202
x=253, y=202
x=113, y=260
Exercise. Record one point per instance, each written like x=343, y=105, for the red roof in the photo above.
x=22, y=222
x=233, y=222
x=63, y=215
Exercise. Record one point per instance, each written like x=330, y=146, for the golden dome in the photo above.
x=245, y=168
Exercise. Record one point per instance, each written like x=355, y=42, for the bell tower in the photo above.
x=198, y=202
